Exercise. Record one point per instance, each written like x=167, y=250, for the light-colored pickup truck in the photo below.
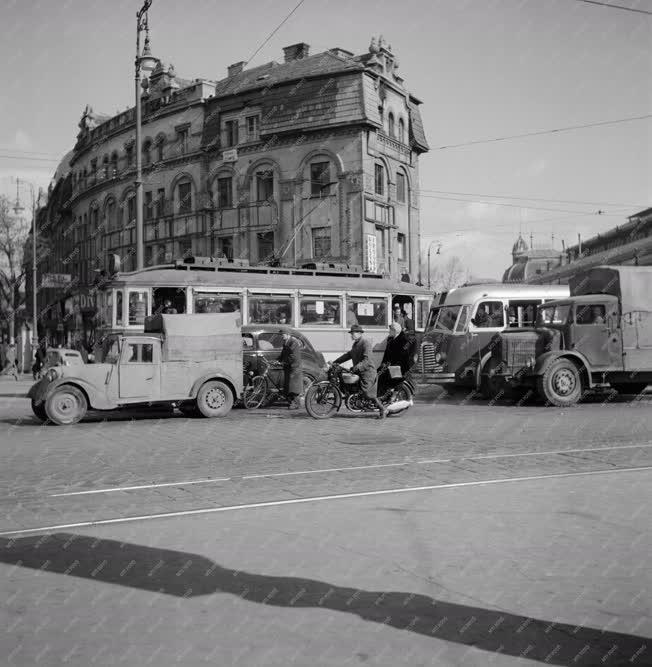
x=192, y=362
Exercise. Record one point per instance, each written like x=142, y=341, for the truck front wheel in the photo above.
x=561, y=383
x=214, y=399
x=66, y=405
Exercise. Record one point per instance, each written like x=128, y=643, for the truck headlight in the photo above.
x=440, y=356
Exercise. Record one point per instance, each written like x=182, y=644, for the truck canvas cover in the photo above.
x=204, y=337
x=631, y=284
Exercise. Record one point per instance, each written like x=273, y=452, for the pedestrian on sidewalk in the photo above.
x=11, y=362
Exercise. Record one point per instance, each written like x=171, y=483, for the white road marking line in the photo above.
x=142, y=486
x=296, y=501
x=345, y=469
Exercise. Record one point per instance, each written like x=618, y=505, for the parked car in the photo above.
x=62, y=357
x=263, y=341
x=193, y=362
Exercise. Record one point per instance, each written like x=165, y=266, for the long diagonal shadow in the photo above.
x=189, y=575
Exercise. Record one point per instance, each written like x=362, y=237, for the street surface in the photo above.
x=460, y=533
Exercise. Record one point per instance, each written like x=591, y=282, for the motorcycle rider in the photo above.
x=400, y=350
x=361, y=356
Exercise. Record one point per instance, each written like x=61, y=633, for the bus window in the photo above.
x=118, y=308
x=137, y=307
x=522, y=313
x=490, y=315
x=209, y=302
x=370, y=312
x=270, y=310
x=463, y=319
x=318, y=311
x=443, y=318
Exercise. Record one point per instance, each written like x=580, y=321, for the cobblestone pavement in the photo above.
x=60, y=475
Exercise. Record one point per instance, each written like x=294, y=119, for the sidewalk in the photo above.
x=9, y=386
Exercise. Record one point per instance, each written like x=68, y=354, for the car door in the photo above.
x=139, y=370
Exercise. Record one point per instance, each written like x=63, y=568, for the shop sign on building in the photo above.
x=56, y=280
x=371, y=263
x=231, y=155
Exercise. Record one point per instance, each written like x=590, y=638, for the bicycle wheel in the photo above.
x=323, y=400
x=255, y=393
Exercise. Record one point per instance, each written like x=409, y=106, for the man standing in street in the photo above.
x=293, y=375
x=361, y=356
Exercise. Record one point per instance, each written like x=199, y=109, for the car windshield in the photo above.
x=553, y=314
x=443, y=318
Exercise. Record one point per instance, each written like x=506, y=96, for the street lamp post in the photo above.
x=145, y=62
x=18, y=209
x=437, y=253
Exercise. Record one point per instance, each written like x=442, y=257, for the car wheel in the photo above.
x=214, y=399
x=66, y=405
x=561, y=383
x=39, y=410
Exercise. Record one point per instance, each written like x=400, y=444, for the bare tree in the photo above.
x=452, y=274
x=13, y=234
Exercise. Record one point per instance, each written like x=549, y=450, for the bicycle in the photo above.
x=262, y=390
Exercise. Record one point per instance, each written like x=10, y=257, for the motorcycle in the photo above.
x=324, y=398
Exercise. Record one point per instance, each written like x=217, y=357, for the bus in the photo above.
x=462, y=322
x=322, y=302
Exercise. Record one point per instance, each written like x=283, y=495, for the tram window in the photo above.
x=137, y=307
x=167, y=299
x=422, y=310
x=217, y=303
x=270, y=310
x=370, y=312
x=316, y=310
x=118, y=308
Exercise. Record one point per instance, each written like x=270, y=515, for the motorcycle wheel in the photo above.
x=402, y=393
x=323, y=400
x=354, y=403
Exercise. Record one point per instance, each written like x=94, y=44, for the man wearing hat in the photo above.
x=400, y=350
x=293, y=375
x=361, y=356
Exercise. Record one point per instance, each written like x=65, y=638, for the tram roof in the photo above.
x=468, y=295
x=263, y=278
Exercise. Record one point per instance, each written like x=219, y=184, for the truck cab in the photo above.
x=601, y=335
x=192, y=362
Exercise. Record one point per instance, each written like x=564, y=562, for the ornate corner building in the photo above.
x=314, y=159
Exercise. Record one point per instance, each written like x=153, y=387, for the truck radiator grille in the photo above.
x=519, y=352
x=427, y=358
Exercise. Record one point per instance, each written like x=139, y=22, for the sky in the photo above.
x=484, y=70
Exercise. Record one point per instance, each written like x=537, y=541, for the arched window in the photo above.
x=110, y=220
x=379, y=179
x=114, y=164
x=184, y=196
x=105, y=167
x=401, y=187
x=390, y=125
x=401, y=130
x=147, y=152
x=224, y=190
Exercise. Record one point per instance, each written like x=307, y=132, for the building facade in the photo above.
x=312, y=160
x=628, y=244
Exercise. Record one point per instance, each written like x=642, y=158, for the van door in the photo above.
x=595, y=334
x=139, y=370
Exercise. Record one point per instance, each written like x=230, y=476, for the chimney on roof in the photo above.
x=236, y=68
x=296, y=51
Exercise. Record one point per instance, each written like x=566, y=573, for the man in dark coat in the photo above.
x=400, y=350
x=293, y=375
x=361, y=356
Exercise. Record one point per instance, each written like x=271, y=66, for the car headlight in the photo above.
x=52, y=374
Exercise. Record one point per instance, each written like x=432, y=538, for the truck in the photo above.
x=600, y=337
x=191, y=362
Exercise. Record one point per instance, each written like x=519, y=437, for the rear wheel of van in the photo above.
x=66, y=405
x=214, y=399
x=561, y=383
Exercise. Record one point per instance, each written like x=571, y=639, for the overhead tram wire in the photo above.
x=607, y=4
x=536, y=199
x=544, y=132
x=271, y=34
